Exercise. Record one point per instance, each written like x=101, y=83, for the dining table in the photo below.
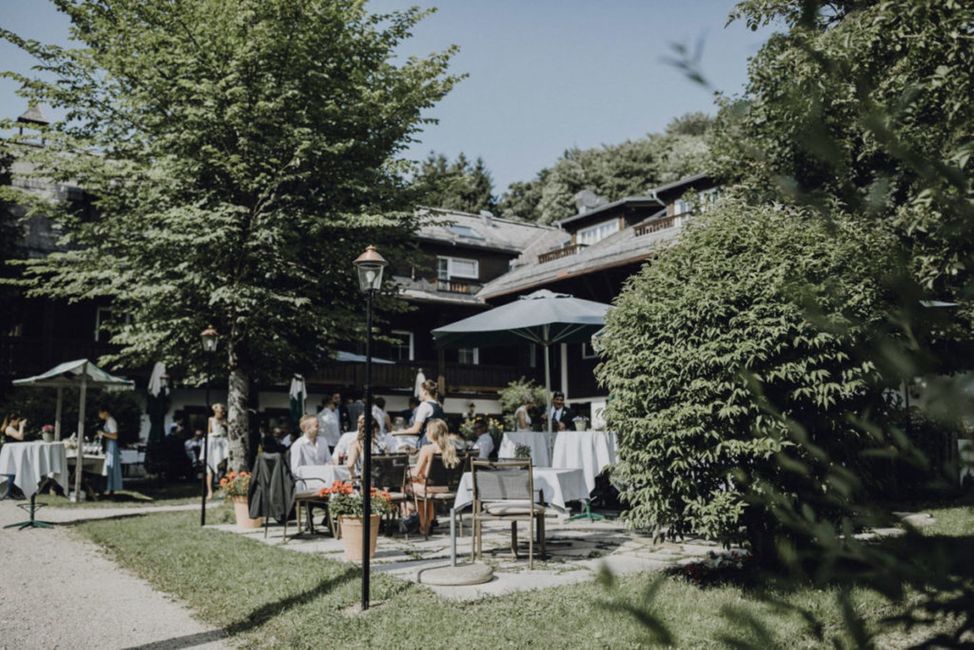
x=538, y=442
x=553, y=486
x=32, y=462
x=312, y=477
x=591, y=451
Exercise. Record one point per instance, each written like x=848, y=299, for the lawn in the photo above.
x=140, y=493
x=270, y=597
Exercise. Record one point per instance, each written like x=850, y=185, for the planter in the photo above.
x=581, y=425
x=242, y=511
x=47, y=437
x=352, y=536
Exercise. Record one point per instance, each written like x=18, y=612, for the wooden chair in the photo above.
x=389, y=472
x=440, y=476
x=504, y=491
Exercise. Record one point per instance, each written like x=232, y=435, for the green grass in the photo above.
x=270, y=597
x=142, y=493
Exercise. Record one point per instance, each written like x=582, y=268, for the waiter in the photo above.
x=561, y=416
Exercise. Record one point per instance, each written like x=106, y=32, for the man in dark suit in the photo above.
x=561, y=415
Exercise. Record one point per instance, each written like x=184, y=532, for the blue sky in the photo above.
x=544, y=75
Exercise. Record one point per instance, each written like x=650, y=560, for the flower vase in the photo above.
x=47, y=436
x=352, y=528
x=241, y=508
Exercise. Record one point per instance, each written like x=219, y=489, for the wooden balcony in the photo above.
x=460, y=378
x=454, y=285
x=659, y=224
x=559, y=253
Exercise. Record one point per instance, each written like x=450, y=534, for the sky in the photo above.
x=543, y=75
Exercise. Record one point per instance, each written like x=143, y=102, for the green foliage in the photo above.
x=459, y=185
x=718, y=328
x=612, y=171
x=867, y=103
x=244, y=159
x=520, y=391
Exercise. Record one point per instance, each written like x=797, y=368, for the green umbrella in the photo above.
x=542, y=317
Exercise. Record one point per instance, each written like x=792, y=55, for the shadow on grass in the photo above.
x=266, y=612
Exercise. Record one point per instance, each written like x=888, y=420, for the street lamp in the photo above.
x=370, y=266
x=209, y=338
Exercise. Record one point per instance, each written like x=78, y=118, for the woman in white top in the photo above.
x=309, y=449
x=113, y=455
x=522, y=418
x=216, y=444
x=12, y=429
x=428, y=411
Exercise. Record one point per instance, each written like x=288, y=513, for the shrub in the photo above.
x=717, y=327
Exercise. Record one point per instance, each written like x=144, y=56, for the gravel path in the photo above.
x=58, y=591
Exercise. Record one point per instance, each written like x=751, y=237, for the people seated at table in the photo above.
x=309, y=449
x=409, y=414
x=428, y=411
x=194, y=447
x=381, y=417
x=522, y=416
x=439, y=445
x=113, y=453
x=340, y=454
x=353, y=460
x=561, y=416
x=271, y=444
x=12, y=431
x=484, y=443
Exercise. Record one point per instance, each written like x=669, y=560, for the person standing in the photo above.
x=329, y=424
x=344, y=421
x=426, y=412
x=522, y=416
x=12, y=429
x=217, y=447
x=113, y=455
x=355, y=409
x=561, y=416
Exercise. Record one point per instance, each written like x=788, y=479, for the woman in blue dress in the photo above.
x=113, y=457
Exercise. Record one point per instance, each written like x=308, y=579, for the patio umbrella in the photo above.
x=157, y=405
x=298, y=394
x=543, y=318
x=81, y=373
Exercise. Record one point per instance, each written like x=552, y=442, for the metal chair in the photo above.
x=440, y=475
x=504, y=491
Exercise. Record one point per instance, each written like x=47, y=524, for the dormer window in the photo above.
x=465, y=231
x=596, y=233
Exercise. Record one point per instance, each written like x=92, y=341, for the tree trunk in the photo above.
x=238, y=392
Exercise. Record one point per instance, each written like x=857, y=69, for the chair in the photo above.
x=504, y=491
x=389, y=472
x=440, y=475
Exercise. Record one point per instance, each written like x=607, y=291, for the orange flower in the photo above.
x=223, y=482
x=244, y=474
x=323, y=492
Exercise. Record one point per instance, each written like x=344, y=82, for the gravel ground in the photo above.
x=58, y=591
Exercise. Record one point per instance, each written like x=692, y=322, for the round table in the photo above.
x=32, y=462
x=592, y=451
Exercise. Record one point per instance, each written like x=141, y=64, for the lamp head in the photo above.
x=209, y=337
x=370, y=266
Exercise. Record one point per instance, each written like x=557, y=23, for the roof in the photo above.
x=629, y=200
x=478, y=231
x=619, y=249
x=33, y=115
x=681, y=183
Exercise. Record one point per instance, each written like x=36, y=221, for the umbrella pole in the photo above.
x=547, y=385
x=57, y=413
x=80, y=457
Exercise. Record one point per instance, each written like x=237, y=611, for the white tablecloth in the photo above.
x=217, y=451
x=92, y=463
x=537, y=441
x=328, y=473
x=592, y=451
x=559, y=486
x=31, y=462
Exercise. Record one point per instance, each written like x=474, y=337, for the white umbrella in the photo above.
x=81, y=373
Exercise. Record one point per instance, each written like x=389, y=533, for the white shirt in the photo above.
x=345, y=444
x=380, y=417
x=304, y=451
x=527, y=418
x=485, y=444
x=110, y=426
x=423, y=412
x=329, y=427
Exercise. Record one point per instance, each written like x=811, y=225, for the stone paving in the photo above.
x=576, y=552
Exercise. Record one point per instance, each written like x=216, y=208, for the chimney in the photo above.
x=487, y=217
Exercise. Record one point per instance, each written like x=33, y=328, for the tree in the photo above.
x=716, y=331
x=459, y=185
x=240, y=153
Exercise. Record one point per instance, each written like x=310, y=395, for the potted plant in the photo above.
x=236, y=485
x=47, y=433
x=581, y=423
x=346, y=505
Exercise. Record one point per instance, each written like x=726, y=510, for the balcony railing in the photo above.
x=559, y=253
x=459, y=377
x=660, y=224
x=453, y=285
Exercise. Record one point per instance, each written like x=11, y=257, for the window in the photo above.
x=597, y=233
x=468, y=356
x=465, y=231
x=588, y=352
x=402, y=349
x=457, y=267
x=680, y=206
x=708, y=198
x=103, y=316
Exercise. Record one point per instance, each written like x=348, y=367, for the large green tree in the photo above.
x=457, y=185
x=240, y=153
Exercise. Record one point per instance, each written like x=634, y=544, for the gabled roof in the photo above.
x=633, y=201
x=478, y=231
x=33, y=115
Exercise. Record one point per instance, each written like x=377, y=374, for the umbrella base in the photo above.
x=30, y=508
x=587, y=513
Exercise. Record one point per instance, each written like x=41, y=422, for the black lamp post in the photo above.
x=370, y=266
x=209, y=337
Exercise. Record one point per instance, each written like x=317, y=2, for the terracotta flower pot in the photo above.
x=352, y=528
x=242, y=511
